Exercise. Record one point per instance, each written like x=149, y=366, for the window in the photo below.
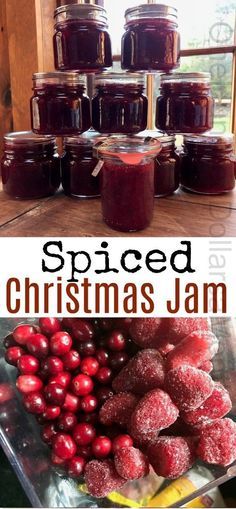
x=208, y=42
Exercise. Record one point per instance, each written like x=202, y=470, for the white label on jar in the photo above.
x=97, y=168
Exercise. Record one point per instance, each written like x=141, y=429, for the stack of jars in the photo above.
x=135, y=165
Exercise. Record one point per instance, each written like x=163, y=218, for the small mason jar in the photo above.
x=119, y=106
x=59, y=105
x=186, y=104
x=30, y=165
x=78, y=164
x=151, y=41
x=81, y=40
x=208, y=163
x=127, y=184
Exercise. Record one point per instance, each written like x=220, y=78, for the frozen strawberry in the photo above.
x=144, y=372
x=118, y=409
x=188, y=387
x=217, y=443
x=102, y=478
x=207, y=366
x=171, y=456
x=131, y=463
x=176, y=329
x=215, y=407
x=194, y=350
x=143, y=331
x=155, y=411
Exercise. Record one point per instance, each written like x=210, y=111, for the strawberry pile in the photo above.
x=116, y=397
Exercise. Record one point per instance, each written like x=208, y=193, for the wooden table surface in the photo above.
x=182, y=214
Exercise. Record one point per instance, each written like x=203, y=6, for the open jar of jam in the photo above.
x=119, y=106
x=30, y=165
x=151, y=41
x=127, y=184
x=78, y=164
x=207, y=164
x=81, y=41
x=186, y=104
x=59, y=105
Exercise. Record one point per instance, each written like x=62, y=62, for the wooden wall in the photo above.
x=5, y=90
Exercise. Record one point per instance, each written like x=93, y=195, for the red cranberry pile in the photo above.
x=118, y=396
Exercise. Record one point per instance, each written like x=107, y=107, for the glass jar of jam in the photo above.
x=30, y=165
x=78, y=164
x=207, y=164
x=167, y=164
x=119, y=106
x=151, y=41
x=81, y=41
x=59, y=105
x=127, y=184
x=186, y=104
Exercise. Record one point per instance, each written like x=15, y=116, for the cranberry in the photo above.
x=9, y=341
x=85, y=452
x=84, y=433
x=28, y=365
x=13, y=354
x=29, y=383
x=72, y=403
x=75, y=466
x=64, y=446
x=101, y=447
x=34, y=403
x=89, y=366
x=6, y=393
x=67, y=421
x=52, y=366
x=48, y=433
x=38, y=345
x=104, y=375
x=106, y=323
x=116, y=341
x=22, y=333
x=71, y=360
x=51, y=413
x=87, y=348
x=55, y=460
x=63, y=379
x=121, y=441
x=118, y=360
x=82, y=385
x=60, y=343
x=82, y=330
x=102, y=357
x=55, y=394
x=89, y=403
x=49, y=326
x=104, y=393
x=124, y=324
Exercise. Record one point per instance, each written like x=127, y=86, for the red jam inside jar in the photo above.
x=127, y=184
x=151, y=41
x=186, y=104
x=59, y=105
x=81, y=41
x=167, y=165
x=207, y=164
x=30, y=165
x=119, y=106
x=78, y=164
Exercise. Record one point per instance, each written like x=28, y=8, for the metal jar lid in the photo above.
x=120, y=78
x=176, y=77
x=89, y=138
x=60, y=78
x=89, y=12
x=28, y=138
x=210, y=138
x=151, y=11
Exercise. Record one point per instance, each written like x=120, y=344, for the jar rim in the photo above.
x=22, y=137
x=209, y=138
x=88, y=12
x=72, y=78
x=147, y=11
x=162, y=137
x=125, y=147
x=185, y=77
x=119, y=78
